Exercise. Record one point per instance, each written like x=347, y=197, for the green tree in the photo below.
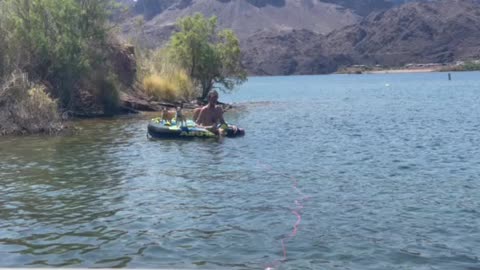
x=211, y=57
x=59, y=41
x=471, y=66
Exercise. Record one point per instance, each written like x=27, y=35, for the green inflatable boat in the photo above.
x=161, y=129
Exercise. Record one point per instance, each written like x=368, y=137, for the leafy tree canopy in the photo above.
x=211, y=57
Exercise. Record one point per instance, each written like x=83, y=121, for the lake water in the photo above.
x=335, y=172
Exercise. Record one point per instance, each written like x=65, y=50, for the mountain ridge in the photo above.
x=244, y=17
x=426, y=32
x=281, y=37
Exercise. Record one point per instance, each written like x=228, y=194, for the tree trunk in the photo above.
x=204, y=91
x=206, y=87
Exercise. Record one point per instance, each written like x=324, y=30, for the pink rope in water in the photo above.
x=299, y=206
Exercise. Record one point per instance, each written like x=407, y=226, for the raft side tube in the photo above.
x=161, y=129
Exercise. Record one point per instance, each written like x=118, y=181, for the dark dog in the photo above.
x=181, y=119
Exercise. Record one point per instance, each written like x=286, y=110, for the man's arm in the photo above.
x=199, y=116
x=196, y=113
x=221, y=120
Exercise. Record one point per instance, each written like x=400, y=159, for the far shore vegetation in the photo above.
x=464, y=66
x=472, y=65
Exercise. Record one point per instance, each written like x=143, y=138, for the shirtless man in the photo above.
x=210, y=115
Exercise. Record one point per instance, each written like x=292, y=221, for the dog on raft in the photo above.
x=169, y=115
x=180, y=117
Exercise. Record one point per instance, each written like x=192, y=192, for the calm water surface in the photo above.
x=389, y=165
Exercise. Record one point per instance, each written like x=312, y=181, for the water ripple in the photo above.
x=391, y=174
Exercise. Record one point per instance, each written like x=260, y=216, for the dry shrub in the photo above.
x=164, y=80
x=184, y=83
x=160, y=88
x=40, y=107
x=26, y=108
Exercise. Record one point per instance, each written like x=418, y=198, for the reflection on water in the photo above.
x=390, y=171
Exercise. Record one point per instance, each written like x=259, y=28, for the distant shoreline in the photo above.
x=426, y=69
x=412, y=70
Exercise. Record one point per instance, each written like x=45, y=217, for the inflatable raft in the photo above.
x=161, y=129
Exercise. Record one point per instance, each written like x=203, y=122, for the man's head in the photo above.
x=212, y=97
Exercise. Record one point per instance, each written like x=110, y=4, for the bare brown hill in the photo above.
x=282, y=37
x=363, y=7
x=289, y=52
x=245, y=17
x=438, y=31
x=431, y=32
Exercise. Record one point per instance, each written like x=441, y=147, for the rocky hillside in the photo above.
x=317, y=36
x=363, y=7
x=429, y=32
x=289, y=52
x=438, y=31
x=245, y=17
